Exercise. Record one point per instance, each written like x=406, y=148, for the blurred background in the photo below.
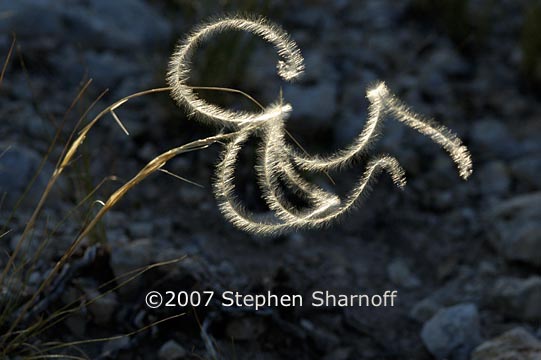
x=465, y=257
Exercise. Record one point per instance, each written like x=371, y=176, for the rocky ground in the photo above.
x=465, y=257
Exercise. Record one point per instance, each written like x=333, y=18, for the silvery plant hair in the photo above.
x=279, y=163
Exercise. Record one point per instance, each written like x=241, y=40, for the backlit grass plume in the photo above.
x=279, y=168
x=290, y=67
x=279, y=162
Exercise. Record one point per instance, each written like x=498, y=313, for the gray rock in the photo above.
x=341, y=42
x=348, y=127
x=317, y=67
x=116, y=345
x=518, y=298
x=353, y=96
x=191, y=195
x=245, y=328
x=148, y=151
x=324, y=339
x=515, y=344
x=376, y=14
x=122, y=24
x=453, y=332
x=400, y=274
x=172, y=350
x=528, y=171
x=114, y=27
x=18, y=165
x=102, y=307
x=14, y=287
x=342, y=353
x=69, y=295
x=261, y=69
x=29, y=245
x=170, y=255
x=448, y=61
x=131, y=119
x=107, y=69
x=76, y=324
x=492, y=139
x=393, y=137
x=23, y=117
x=116, y=218
x=313, y=106
x=515, y=228
x=309, y=17
x=382, y=51
x=31, y=18
x=434, y=83
x=132, y=256
x=488, y=268
x=424, y=309
x=180, y=165
x=494, y=179
x=142, y=229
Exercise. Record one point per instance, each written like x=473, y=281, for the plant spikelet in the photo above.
x=279, y=163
